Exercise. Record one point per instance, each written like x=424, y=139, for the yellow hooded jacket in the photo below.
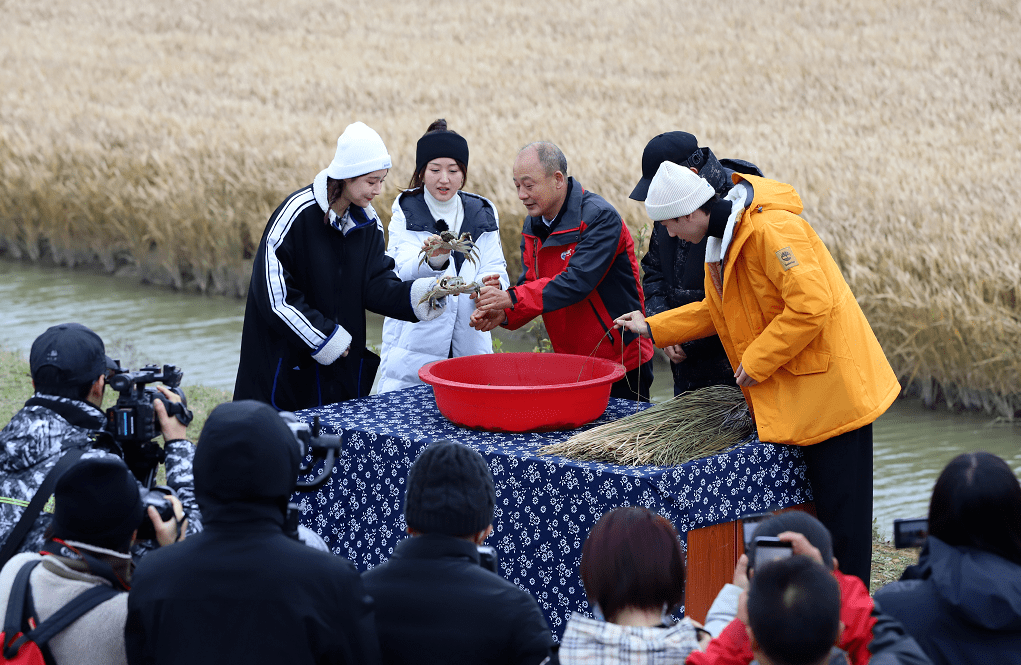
x=789, y=317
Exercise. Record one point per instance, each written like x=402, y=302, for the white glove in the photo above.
x=424, y=311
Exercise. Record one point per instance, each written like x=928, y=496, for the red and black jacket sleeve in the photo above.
x=586, y=253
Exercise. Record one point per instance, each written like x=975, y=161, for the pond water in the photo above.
x=202, y=336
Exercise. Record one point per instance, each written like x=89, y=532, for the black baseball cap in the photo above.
x=77, y=352
x=674, y=147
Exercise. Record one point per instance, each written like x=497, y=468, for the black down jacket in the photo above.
x=242, y=591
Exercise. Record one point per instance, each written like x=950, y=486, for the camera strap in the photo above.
x=35, y=506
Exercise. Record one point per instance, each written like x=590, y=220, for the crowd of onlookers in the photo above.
x=223, y=578
x=961, y=603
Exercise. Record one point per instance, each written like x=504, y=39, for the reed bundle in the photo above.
x=156, y=138
x=688, y=427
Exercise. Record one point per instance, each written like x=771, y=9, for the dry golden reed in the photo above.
x=690, y=426
x=157, y=138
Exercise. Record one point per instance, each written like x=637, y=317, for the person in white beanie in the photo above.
x=435, y=202
x=320, y=264
x=810, y=366
x=673, y=271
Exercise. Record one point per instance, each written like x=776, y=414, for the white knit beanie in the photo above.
x=676, y=191
x=360, y=150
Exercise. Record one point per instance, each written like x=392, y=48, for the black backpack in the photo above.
x=24, y=640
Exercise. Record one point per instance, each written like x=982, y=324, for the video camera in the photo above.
x=316, y=445
x=132, y=423
x=325, y=446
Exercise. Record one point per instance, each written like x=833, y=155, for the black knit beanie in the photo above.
x=97, y=502
x=443, y=143
x=450, y=491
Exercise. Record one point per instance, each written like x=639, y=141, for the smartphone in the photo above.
x=910, y=532
x=748, y=525
x=770, y=548
x=487, y=557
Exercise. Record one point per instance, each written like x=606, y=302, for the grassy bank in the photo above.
x=887, y=562
x=155, y=139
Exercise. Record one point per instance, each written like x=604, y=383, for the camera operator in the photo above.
x=63, y=422
x=243, y=591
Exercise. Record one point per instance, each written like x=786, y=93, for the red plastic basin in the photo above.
x=522, y=392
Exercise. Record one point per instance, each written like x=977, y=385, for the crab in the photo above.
x=449, y=241
x=447, y=286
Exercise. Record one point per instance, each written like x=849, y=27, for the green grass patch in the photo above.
x=15, y=383
x=888, y=562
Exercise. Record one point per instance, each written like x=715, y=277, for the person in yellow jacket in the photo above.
x=810, y=366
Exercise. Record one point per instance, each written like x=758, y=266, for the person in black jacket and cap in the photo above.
x=435, y=603
x=673, y=270
x=243, y=591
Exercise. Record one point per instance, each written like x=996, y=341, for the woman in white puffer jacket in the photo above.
x=434, y=203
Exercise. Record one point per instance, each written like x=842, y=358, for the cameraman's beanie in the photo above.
x=97, y=502
x=450, y=491
x=675, y=192
x=246, y=453
x=360, y=150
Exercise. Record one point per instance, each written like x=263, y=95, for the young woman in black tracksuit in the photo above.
x=319, y=266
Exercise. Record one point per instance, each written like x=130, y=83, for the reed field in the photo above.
x=155, y=139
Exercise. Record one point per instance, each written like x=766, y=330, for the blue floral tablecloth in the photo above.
x=545, y=506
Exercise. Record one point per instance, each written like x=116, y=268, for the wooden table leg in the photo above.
x=713, y=552
x=712, y=555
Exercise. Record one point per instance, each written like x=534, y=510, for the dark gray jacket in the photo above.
x=242, y=591
x=436, y=604
x=962, y=605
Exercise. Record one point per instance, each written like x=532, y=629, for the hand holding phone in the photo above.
x=748, y=524
x=488, y=558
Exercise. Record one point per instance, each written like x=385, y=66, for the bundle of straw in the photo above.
x=690, y=426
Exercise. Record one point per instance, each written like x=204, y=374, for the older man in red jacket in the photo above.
x=580, y=271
